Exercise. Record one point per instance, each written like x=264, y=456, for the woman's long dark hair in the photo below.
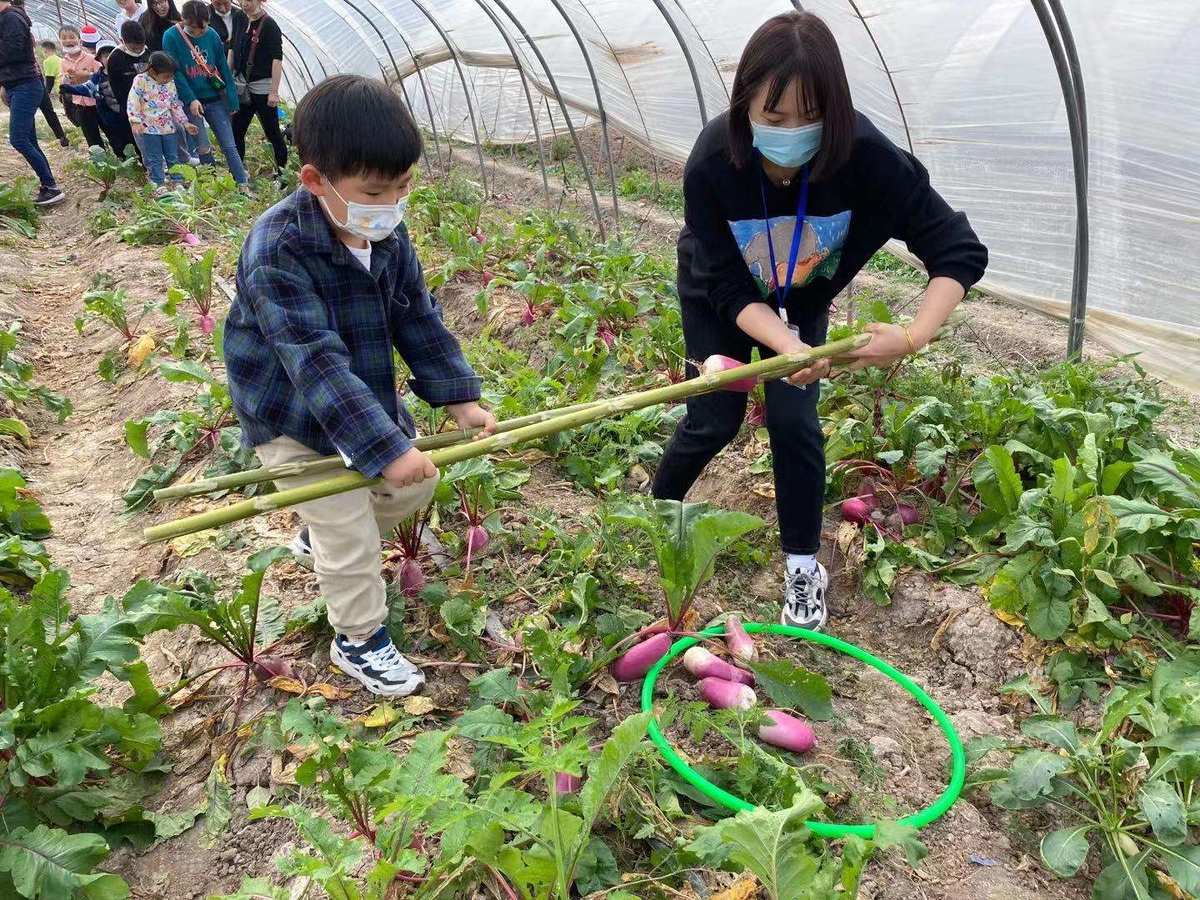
x=794, y=46
x=155, y=25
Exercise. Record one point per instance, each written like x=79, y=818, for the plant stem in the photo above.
x=334, y=463
x=774, y=367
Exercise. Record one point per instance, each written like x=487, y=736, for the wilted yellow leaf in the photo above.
x=1009, y=618
x=191, y=544
x=328, y=691
x=381, y=716
x=1170, y=885
x=765, y=490
x=418, y=705
x=743, y=889
x=294, y=686
x=140, y=349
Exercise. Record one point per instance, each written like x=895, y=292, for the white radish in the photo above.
x=787, y=732
x=722, y=694
x=740, y=644
x=703, y=664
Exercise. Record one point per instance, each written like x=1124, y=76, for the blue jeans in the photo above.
x=216, y=112
x=158, y=151
x=24, y=98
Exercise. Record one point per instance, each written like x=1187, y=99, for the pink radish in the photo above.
x=207, y=324
x=638, y=660
x=722, y=694
x=412, y=579
x=757, y=416
x=267, y=667
x=718, y=363
x=529, y=315
x=190, y=239
x=909, y=515
x=488, y=275
x=787, y=732
x=607, y=335
x=479, y=236
x=566, y=783
x=477, y=539
x=703, y=664
x=740, y=644
x=858, y=509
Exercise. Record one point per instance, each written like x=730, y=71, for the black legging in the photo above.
x=51, y=116
x=86, y=120
x=713, y=420
x=268, y=118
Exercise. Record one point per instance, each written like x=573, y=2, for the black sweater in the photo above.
x=269, y=49
x=122, y=68
x=17, y=62
x=882, y=192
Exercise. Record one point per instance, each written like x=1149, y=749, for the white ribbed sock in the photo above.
x=801, y=562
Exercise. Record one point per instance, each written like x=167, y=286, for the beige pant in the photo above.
x=344, y=531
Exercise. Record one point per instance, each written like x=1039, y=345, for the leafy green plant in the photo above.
x=687, y=538
x=17, y=210
x=110, y=307
x=193, y=284
x=1125, y=788
x=204, y=430
x=16, y=385
x=104, y=168
x=601, y=455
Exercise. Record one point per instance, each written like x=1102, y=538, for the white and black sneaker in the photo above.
x=804, y=598
x=301, y=547
x=377, y=665
x=49, y=196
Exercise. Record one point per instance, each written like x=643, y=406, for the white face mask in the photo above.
x=371, y=222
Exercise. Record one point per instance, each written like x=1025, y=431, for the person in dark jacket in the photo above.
x=786, y=198
x=227, y=21
x=24, y=89
x=159, y=16
x=110, y=113
x=258, y=58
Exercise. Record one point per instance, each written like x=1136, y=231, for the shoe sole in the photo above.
x=338, y=658
x=42, y=204
x=818, y=626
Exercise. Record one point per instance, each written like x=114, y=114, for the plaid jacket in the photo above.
x=309, y=338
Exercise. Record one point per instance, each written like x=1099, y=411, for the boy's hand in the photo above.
x=411, y=468
x=472, y=415
x=196, y=107
x=191, y=129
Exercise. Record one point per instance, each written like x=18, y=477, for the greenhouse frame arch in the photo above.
x=1093, y=221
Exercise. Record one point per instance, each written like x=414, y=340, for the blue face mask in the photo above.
x=787, y=147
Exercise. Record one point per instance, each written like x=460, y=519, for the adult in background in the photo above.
x=786, y=197
x=79, y=65
x=159, y=16
x=129, y=11
x=257, y=69
x=227, y=21
x=51, y=67
x=24, y=88
x=205, y=84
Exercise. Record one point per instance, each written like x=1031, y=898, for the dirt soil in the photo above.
x=944, y=637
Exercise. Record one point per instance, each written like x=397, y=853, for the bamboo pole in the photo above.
x=333, y=463
x=776, y=366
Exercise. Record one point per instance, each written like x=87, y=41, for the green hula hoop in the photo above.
x=823, y=829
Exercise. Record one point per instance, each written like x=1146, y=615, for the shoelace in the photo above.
x=800, y=585
x=388, y=659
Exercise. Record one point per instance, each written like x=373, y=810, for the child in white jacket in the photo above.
x=154, y=112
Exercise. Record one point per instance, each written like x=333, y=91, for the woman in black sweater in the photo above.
x=786, y=197
x=158, y=17
x=24, y=90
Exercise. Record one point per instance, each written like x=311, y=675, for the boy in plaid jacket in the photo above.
x=328, y=284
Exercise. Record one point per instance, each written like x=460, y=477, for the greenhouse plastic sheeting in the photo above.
x=969, y=85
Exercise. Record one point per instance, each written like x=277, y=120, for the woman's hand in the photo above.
x=815, y=372
x=889, y=344
x=273, y=99
x=196, y=108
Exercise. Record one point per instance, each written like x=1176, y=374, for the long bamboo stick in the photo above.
x=776, y=366
x=332, y=463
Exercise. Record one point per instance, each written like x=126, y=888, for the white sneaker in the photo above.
x=377, y=665
x=193, y=160
x=301, y=548
x=804, y=598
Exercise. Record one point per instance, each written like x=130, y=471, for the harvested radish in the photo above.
x=740, y=644
x=207, y=324
x=909, y=515
x=566, y=783
x=722, y=694
x=718, y=363
x=639, y=659
x=787, y=732
x=412, y=579
x=703, y=664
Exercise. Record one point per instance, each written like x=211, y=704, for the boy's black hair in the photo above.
x=160, y=62
x=195, y=12
x=133, y=33
x=350, y=125
x=103, y=53
x=49, y=45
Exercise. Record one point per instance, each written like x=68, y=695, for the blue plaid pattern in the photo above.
x=309, y=338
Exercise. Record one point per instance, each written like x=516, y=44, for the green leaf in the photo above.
x=257, y=889
x=1053, y=730
x=1183, y=864
x=1164, y=810
x=1161, y=472
x=893, y=834
x=1116, y=882
x=1065, y=850
x=997, y=482
x=794, y=687
x=773, y=845
x=1048, y=616
x=102, y=642
x=484, y=722
x=1182, y=740
x=496, y=686
x=17, y=427
x=136, y=431
x=218, y=810
x=49, y=864
x=1033, y=771
x=603, y=773
x=597, y=868
x=185, y=370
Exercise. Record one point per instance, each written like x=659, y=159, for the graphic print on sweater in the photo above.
x=821, y=244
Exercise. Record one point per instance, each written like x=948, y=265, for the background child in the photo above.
x=328, y=286
x=154, y=113
x=51, y=70
x=110, y=115
x=79, y=65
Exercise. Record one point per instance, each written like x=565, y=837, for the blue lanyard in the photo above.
x=801, y=210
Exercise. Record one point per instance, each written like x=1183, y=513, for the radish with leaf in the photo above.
x=687, y=539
